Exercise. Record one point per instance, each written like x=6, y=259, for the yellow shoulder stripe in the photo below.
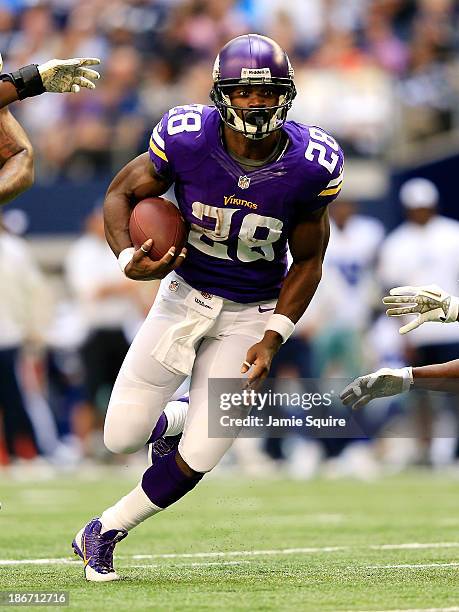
x=329, y=192
x=156, y=150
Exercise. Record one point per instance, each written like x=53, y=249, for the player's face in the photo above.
x=420, y=216
x=254, y=96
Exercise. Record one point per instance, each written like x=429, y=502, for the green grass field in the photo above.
x=247, y=545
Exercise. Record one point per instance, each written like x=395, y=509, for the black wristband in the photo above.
x=27, y=81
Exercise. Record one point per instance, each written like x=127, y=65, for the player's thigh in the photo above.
x=215, y=359
x=142, y=389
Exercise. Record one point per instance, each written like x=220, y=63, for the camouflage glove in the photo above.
x=61, y=76
x=429, y=303
x=383, y=383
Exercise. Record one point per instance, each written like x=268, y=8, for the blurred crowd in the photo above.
x=370, y=72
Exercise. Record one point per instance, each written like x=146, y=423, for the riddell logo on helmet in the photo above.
x=250, y=73
x=231, y=200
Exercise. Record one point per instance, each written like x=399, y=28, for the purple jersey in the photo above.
x=240, y=220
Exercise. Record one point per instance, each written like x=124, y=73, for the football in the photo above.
x=159, y=219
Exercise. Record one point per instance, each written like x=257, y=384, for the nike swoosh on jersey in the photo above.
x=260, y=309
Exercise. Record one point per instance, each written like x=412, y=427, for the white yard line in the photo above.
x=453, y=609
x=415, y=545
x=65, y=560
x=250, y=553
x=412, y=566
x=244, y=553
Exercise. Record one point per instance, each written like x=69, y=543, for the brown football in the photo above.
x=159, y=219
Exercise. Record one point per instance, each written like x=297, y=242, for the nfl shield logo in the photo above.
x=174, y=285
x=243, y=182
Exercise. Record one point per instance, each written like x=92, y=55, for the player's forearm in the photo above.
x=299, y=288
x=136, y=181
x=308, y=244
x=16, y=175
x=117, y=211
x=438, y=377
x=8, y=93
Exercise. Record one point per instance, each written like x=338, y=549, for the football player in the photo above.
x=16, y=156
x=430, y=304
x=248, y=182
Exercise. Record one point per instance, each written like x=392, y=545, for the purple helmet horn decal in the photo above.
x=253, y=59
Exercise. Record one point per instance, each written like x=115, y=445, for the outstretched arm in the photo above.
x=387, y=382
x=58, y=76
x=16, y=158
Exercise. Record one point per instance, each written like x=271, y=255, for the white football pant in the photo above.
x=144, y=386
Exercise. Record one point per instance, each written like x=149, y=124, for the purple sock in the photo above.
x=165, y=483
x=159, y=429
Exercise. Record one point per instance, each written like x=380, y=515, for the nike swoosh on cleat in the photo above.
x=260, y=309
x=85, y=560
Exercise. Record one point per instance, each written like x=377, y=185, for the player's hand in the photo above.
x=259, y=358
x=61, y=76
x=141, y=267
x=383, y=383
x=429, y=303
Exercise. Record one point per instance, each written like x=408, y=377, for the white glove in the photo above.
x=383, y=383
x=60, y=76
x=429, y=303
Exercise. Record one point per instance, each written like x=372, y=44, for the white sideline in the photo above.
x=248, y=553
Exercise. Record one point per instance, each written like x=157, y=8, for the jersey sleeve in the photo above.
x=333, y=187
x=325, y=161
x=158, y=149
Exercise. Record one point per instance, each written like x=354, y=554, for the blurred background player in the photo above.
x=333, y=333
x=424, y=247
x=111, y=308
x=24, y=314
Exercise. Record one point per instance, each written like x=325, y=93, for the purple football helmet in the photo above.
x=252, y=59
